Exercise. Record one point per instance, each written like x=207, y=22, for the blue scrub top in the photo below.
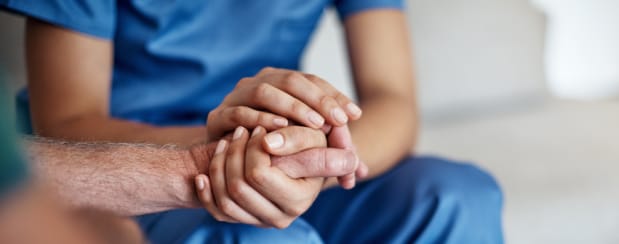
x=174, y=61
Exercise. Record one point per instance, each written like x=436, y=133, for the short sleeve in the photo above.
x=347, y=7
x=92, y=17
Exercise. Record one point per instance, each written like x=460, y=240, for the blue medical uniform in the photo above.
x=174, y=61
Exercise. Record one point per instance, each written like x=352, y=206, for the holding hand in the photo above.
x=244, y=186
x=274, y=96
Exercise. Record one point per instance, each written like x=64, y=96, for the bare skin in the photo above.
x=69, y=97
x=133, y=179
x=33, y=215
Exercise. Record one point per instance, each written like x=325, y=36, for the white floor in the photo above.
x=558, y=164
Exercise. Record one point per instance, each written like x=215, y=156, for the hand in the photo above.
x=290, y=141
x=243, y=185
x=302, y=153
x=273, y=95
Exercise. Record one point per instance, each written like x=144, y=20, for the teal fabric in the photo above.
x=13, y=169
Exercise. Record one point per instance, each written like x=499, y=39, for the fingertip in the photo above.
x=316, y=120
x=238, y=133
x=200, y=183
x=280, y=122
x=347, y=181
x=256, y=131
x=326, y=128
x=354, y=111
x=274, y=140
x=339, y=116
x=362, y=171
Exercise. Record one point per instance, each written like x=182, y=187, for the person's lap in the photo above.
x=423, y=199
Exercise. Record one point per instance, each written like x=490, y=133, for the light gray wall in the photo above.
x=12, y=68
x=11, y=49
x=472, y=56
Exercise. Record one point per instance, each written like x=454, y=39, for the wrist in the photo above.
x=195, y=160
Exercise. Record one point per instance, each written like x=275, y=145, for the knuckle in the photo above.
x=333, y=166
x=236, y=189
x=341, y=98
x=311, y=77
x=293, y=77
x=211, y=116
x=226, y=206
x=267, y=69
x=299, y=108
x=218, y=217
x=295, y=210
x=264, y=119
x=236, y=114
x=215, y=169
x=260, y=92
x=282, y=223
x=244, y=81
x=257, y=177
x=326, y=101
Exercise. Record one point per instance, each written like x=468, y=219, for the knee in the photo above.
x=460, y=185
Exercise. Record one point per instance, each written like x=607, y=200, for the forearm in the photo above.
x=386, y=133
x=126, y=179
x=96, y=128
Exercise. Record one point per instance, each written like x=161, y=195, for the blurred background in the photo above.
x=487, y=78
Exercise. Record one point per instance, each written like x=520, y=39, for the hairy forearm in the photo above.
x=390, y=122
x=96, y=128
x=127, y=179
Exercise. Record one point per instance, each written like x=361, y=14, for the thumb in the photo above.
x=319, y=162
x=340, y=137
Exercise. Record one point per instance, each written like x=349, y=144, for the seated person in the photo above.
x=29, y=214
x=131, y=71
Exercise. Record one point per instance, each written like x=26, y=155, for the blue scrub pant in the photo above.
x=421, y=200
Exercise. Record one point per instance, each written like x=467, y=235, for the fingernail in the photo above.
x=280, y=122
x=339, y=115
x=256, y=131
x=274, y=140
x=221, y=145
x=353, y=109
x=200, y=183
x=316, y=119
x=326, y=128
x=237, y=133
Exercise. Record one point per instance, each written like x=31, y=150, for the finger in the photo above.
x=279, y=102
x=229, y=118
x=293, y=139
x=318, y=162
x=218, y=182
x=205, y=195
x=273, y=184
x=347, y=181
x=362, y=170
x=242, y=193
x=340, y=137
x=295, y=84
x=352, y=109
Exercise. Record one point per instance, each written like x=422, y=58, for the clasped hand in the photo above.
x=270, y=179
